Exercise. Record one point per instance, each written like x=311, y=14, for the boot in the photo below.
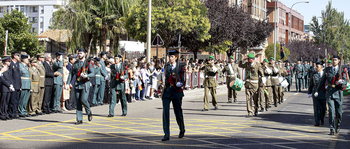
x=63, y=107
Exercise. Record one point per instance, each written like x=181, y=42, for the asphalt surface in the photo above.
x=290, y=125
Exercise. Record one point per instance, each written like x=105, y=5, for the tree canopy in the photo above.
x=20, y=37
x=270, y=48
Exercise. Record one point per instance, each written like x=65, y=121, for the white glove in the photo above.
x=309, y=95
x=263, y=80
x=31, y=91
x=341, y=81
x=275, y=70
x=326, y=87
x=214, y=69
x=316, y=94
x=11, y=88
x=60, y=58
x=179, y=84
x=84, y=75
x=268, y=71
x=90, y=84
x=122, y=77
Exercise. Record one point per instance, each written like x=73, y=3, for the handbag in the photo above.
x=131, y=83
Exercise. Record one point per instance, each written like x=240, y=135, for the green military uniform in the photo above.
x=173, y=92
x=232, y=71
x=312, y=70
x=289, y=76
x=253, y=71
x=33, y=105
x=275, y=82
x=118, y=88
x=319, y=102
x=299, y=74
x=306, y=75
x=81, y=88
x=264, y=98
x=25, y=92
x=103, y=82
x=41, y=70
x=283, y=72
x=334, y=94
x=98, y=84
x=210, y=84
x=58, y=85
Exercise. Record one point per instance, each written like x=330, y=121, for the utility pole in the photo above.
x=148, y=52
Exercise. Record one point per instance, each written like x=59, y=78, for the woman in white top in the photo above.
x=65, y=90
x=144, y=80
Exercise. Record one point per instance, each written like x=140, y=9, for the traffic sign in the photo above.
x=157, y=41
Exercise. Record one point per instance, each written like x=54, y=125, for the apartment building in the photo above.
x=39, y=11
x=282, y=21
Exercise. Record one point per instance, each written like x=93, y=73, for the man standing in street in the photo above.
x=17, y=83
x=81, y=85
x=336, y=80
x=264, y=91
x=173, y=92
x=283, y=72
x=98, y=80
x=253, y=70
x=6, y=87
x=118, y=76
x=289, y=75
x=274, y=80
x=232, y=71
x=319, y=102
x=40, y=67
x=49, y=79
x=33, y=105
x=58, y=82
x=210, y=83
x=101, y=92
x=25, y=92
x=306, y=75
x=299, y=75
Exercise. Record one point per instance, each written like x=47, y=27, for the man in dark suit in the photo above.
x=49, y=79
x=6, y=87
x=16, y=80
x=71, y=104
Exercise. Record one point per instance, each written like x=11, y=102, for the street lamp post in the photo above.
x=275, y=33
x=149, y=31
x=290, y=17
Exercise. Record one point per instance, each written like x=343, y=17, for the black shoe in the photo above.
x=267, y=109
x=28, y=115
x=123, y=114
x=205, y=110
x=3, y=118
x=275, y=104
x=9, y=118
x=216, y=108
x=248, y=116
x=110, y=115
x=16, y=117
x=317, y=124
x=51, y=112
x=165, y=139
x=229, y=102
x=90, y=117
x=262, y=110
x=22, y=115
x=322, y=122
x=79, y=122
x=59, y=111
x=235, y=100
x=282, y=101
x=34, y=115
x=182, y=134
x=40, y=113
x=256, y=114
x=331, y=133
x=337, y=130
x=47, y=112
x=279, y=102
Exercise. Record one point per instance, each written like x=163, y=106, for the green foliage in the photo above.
x=270, y=48
x=169, y=19
x=221, y=47
x=20, y=37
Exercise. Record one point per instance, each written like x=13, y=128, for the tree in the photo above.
x=333, y=30
x=269, y=52
x=169, y=19
x=20, y=37
x=308, y=51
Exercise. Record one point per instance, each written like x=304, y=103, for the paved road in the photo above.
x=290, y=125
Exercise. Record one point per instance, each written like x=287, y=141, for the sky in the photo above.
x=314, y=7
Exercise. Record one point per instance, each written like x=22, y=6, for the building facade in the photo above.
x=282, y=21
x=39, y=11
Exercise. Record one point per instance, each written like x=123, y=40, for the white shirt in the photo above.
x=173, y=66
x=320, y=73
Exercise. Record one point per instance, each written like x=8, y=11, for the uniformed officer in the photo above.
x=173, y=92
x=312, y=70
x=283, y=73
x=253, y=71
x=118, y=76
x=16, y=82
x=319, y=102
x=306, y=74
x=6, y=87
x=210, y=83
x=98, y=86
x=289, y=75
x=82, y=85
x=58, y=82
x=232, y=71
x=336, y=82
x=265, y=91
x=103, y=57
x=299, y=75
x=40, y=67
x=25, y=92
x=274, y=80
x=33, y=104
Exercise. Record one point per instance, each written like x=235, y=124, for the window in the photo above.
x=22, y=8
x=41, y=30
x=1, y=9
x=34, y=9
x=33, y=20
x=33, y=29
x=42, y=9
x=41, y=19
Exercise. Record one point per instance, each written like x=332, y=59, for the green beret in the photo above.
x=232, y=57
x=272, y=58
x=329, y=61
x=251, y=55
x=212, y=57
x=265, y=60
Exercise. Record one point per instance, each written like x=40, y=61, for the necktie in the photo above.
x=171, y=67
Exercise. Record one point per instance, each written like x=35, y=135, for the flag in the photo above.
x=282, y=53
x=140, y=87
x=160, y=81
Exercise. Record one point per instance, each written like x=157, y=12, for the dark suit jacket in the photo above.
x=16, y=75
x=49, y=74
x=69, y=67
x=6, y=81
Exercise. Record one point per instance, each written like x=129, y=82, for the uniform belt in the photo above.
x=268, y=77
x=253, y=81
x=275, y=77
x=230, y=75
x=98, y=76
x=297, y=71
x=42, y=76
x=210, y=77
x=25, y=78
x=35, y=82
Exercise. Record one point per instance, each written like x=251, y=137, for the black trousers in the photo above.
x=108, y=95
x=13, y=103
x=4, y=100
x=47, y=98
x=91, y=94
x=71, y=103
